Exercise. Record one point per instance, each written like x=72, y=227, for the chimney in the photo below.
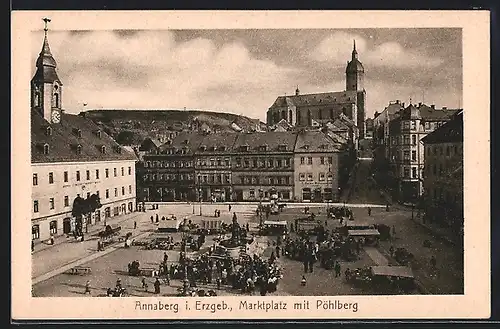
x=419, y=104
x=433, y=106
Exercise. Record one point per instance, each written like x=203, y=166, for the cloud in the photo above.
x=337, y=48
x=150, y=69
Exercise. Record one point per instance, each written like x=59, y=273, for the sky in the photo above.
x=243, y=71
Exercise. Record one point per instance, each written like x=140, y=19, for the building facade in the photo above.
x=443, y=175
x=406, y=152
x=71, y=157
x=263, y=165
x=317, y=109
x=316, y=168
x=213, y=167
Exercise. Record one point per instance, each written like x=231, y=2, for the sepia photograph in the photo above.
x=178, y=167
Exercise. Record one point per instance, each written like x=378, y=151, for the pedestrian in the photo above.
x=51, y=240
x=87, y=288
x=337, y=269
x=215, y=213
x=391, y=251
x=135, y=225
x=234, y=216
x=433, y=262
x=157, y=218
x=387, y=207
x=32, y=245
x=99, y=245
x=303, y=281
x=248, y=227
x=165, y=257
x=277, y=251
x=157, y=286
x=369, y=211
x=144, y=284
x=229, y=208
x=152, y=220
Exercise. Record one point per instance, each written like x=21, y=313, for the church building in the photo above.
x=315, y=110
x=71, y=158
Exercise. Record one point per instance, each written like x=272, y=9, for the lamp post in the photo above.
x=261, y=193
x=185, y=283
x=199, y=197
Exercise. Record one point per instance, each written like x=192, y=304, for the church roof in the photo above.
x=316, y=99
x=65, y=137
x=354, y=66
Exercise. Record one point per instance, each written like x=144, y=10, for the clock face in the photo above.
x=56, y=116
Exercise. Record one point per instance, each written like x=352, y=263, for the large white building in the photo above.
x=71, y=157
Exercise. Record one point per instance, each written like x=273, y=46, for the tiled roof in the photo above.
x=451, y=132
x=216, y=143
x=187, y=141
x=316, y=99
x=274, y=141
x=315, y=141
x=426, y=113
x=64, y=139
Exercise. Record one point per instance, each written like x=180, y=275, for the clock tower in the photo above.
x=46, y=87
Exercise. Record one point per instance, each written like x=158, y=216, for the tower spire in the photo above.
x=354, y=52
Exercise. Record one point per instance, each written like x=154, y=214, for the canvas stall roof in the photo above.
x=363, y=232
x=400, y=271
x=275, y=222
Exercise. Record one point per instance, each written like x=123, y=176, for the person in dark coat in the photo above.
x=152, y=220
x=337, y=269
x=157, y=286
x=32, y=245
x=369, y=211
x=229, y=208
x=135, y=225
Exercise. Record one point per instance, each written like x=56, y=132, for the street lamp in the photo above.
x=261, y=194
x=185, y=283
x=199, y=198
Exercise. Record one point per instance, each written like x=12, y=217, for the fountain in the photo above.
x=238, y=239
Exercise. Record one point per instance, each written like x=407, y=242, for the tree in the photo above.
x=84, y=207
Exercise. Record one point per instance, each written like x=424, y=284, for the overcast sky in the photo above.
x=243, y=71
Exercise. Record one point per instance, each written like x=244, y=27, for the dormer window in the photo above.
x=263, y=148
x=48, y=131
x=222, y=148
x=98, y=133
x=282, y=147
x=78, y=149
x=46, y=149
x=306, y=147
x=203, y=148
x=118, y=149
x=169, y=142
x=214, y=148
x=103, y=149
x=244, y=148
x=186, y=141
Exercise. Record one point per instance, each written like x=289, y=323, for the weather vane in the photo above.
x=46, y=21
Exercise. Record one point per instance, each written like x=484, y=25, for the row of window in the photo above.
x=404, y=140
x=437, y=169
x=272, y=180
x=413, y=173
x=35, y=230
x=213, y=162
x=77, y=148
x=214, y=178
x=310, y=177
x=168, y=177
x=440, y=150
x=78, y=175
x=310, y=160
x=66, y=201
x=168, y=164
x=263, y=162
x=412, y=124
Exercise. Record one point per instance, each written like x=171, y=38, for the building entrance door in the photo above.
x=67, y=225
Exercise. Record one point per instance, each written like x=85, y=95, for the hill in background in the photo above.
x=131, y=127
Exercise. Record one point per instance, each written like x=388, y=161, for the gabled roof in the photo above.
x=347, y=97
x=64, y=139
x=451, y=132
x=315, y=142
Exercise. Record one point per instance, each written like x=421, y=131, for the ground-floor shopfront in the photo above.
x=169, y=193
x=215, y=193
x=253, y=193
x=64, y=223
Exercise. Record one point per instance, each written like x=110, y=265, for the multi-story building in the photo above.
x=316, y=167
x=443, y=175
x=317, y=109
x=168, y=174
x=71, y=157
x=213, y=167
x=262, y=165
x=406, y=152
x=381, y=129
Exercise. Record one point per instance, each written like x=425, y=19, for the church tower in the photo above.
x=354, y=72
x=355, y=76
x=46, y=87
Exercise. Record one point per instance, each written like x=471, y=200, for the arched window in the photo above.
x=46, y=149
x=78, y=149
x=103, y=149
x=37, y=98
x=290, y=116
